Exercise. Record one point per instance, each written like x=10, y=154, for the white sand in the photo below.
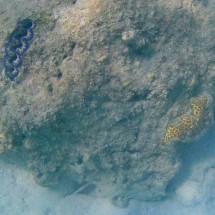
x=20, y=195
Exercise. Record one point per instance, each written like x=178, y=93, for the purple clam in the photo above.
x=23, y=48
x=10, y=57
x=14, y=43
x=6, y=64
x=26, y=23
x=18, y=33
x=30, y=35
x=17, y=44
x=11, y=73
x=10, y=48
x=33, y=25
x=17, y=62
x=7, y=52
x=19, y=21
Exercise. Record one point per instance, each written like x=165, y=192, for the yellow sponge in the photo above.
x=188, y=123
x=172, y=132
x=198, y=105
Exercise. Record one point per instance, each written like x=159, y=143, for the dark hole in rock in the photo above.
x=139, y=96
x=58, y=74
x=65, y=56
x=26, y=111
x=72, y=45
x=50, y=88
x=80, y=160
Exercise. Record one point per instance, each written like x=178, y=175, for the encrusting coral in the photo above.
x=189, y=124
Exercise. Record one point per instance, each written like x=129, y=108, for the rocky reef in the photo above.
x=101, y=87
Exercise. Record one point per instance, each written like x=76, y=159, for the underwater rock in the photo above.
x=89, y=112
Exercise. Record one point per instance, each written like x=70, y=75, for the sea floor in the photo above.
x=191, y=192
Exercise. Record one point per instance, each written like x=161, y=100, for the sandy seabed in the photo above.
x=192, y=192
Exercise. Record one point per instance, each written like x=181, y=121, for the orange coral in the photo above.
x=198, y=105
x=187, y=123
x=172, y=132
